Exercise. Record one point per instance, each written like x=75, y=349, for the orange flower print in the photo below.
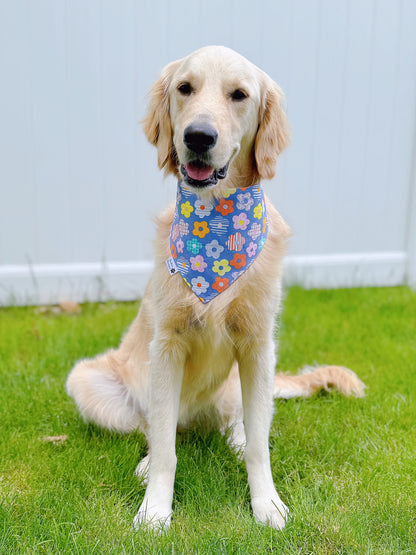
x=173, y=251
x=200, y=229
x=220, y=284
x=238, y=261
x=225, y=206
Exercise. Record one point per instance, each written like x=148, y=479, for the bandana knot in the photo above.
x=212, y=243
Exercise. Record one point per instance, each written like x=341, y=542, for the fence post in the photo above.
x=411, y=227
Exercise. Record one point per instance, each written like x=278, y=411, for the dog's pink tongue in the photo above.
x=199, y=174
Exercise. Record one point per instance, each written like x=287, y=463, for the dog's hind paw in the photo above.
x=142, y=469
x=271, y=512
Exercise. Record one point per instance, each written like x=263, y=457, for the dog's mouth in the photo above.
x=199, y=174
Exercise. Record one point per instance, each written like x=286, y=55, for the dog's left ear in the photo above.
x=157, y=125
x=273, y=134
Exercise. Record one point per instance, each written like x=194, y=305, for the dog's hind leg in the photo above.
x=229, y=405
x=101, y=396
x=142, y=469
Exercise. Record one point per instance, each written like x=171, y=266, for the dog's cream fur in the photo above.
x=183, y=362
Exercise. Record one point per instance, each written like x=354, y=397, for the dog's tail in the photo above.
x=310, y=380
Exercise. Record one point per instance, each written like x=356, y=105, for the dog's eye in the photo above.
x=185, y=89
x=238, y=95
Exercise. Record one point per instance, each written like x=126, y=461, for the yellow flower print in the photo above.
x=186, y=209
x=258, y=211
x=221, y=267
x=200, y=229
x=228, y=193
x=264, y=224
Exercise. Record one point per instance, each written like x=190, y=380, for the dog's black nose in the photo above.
x=200, y=137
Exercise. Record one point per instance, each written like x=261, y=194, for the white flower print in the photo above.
x=199, y=285
x=203, y=209
x=255, y=231
x=236, y=275
x=245, y=202
x=183, y=228
x=182, y=264
x=214, y=249
x=219, y=225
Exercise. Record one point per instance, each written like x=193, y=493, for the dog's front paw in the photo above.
x=153, y=516
x=270, y=511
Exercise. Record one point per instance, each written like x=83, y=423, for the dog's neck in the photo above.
x=214, y=240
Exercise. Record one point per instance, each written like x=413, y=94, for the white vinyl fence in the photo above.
x=79, y=187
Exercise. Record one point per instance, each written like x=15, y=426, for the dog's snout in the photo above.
x=200, y=137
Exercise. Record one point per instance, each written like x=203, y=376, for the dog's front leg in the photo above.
x=256, y=364
x=167, y=365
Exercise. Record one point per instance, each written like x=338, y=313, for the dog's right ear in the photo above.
x=157, y=125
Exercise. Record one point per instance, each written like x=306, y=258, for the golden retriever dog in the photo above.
x=218, y=124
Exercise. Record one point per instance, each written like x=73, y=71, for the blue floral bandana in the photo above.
x=213, y=243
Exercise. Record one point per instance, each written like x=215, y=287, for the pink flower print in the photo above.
x=241, y=221
x=251, y=249
x=255, y=231
x=175, y=232
x=198, y=263
x=183, y=228
x=245, y=202
x=179, y=246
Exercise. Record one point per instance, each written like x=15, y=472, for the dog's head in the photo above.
x=215, y=116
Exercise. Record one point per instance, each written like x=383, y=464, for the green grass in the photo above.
x=345, y=467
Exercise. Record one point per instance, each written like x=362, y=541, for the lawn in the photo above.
x=344, y=466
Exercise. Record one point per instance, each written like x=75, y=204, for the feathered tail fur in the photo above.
x=310, y=380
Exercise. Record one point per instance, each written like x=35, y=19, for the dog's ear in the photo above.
x=273, y=134
x=157, y=125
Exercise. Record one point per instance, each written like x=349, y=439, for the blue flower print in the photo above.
x=194, y=246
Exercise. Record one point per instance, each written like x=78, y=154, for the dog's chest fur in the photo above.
x=211, y=353
x=214, y=334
